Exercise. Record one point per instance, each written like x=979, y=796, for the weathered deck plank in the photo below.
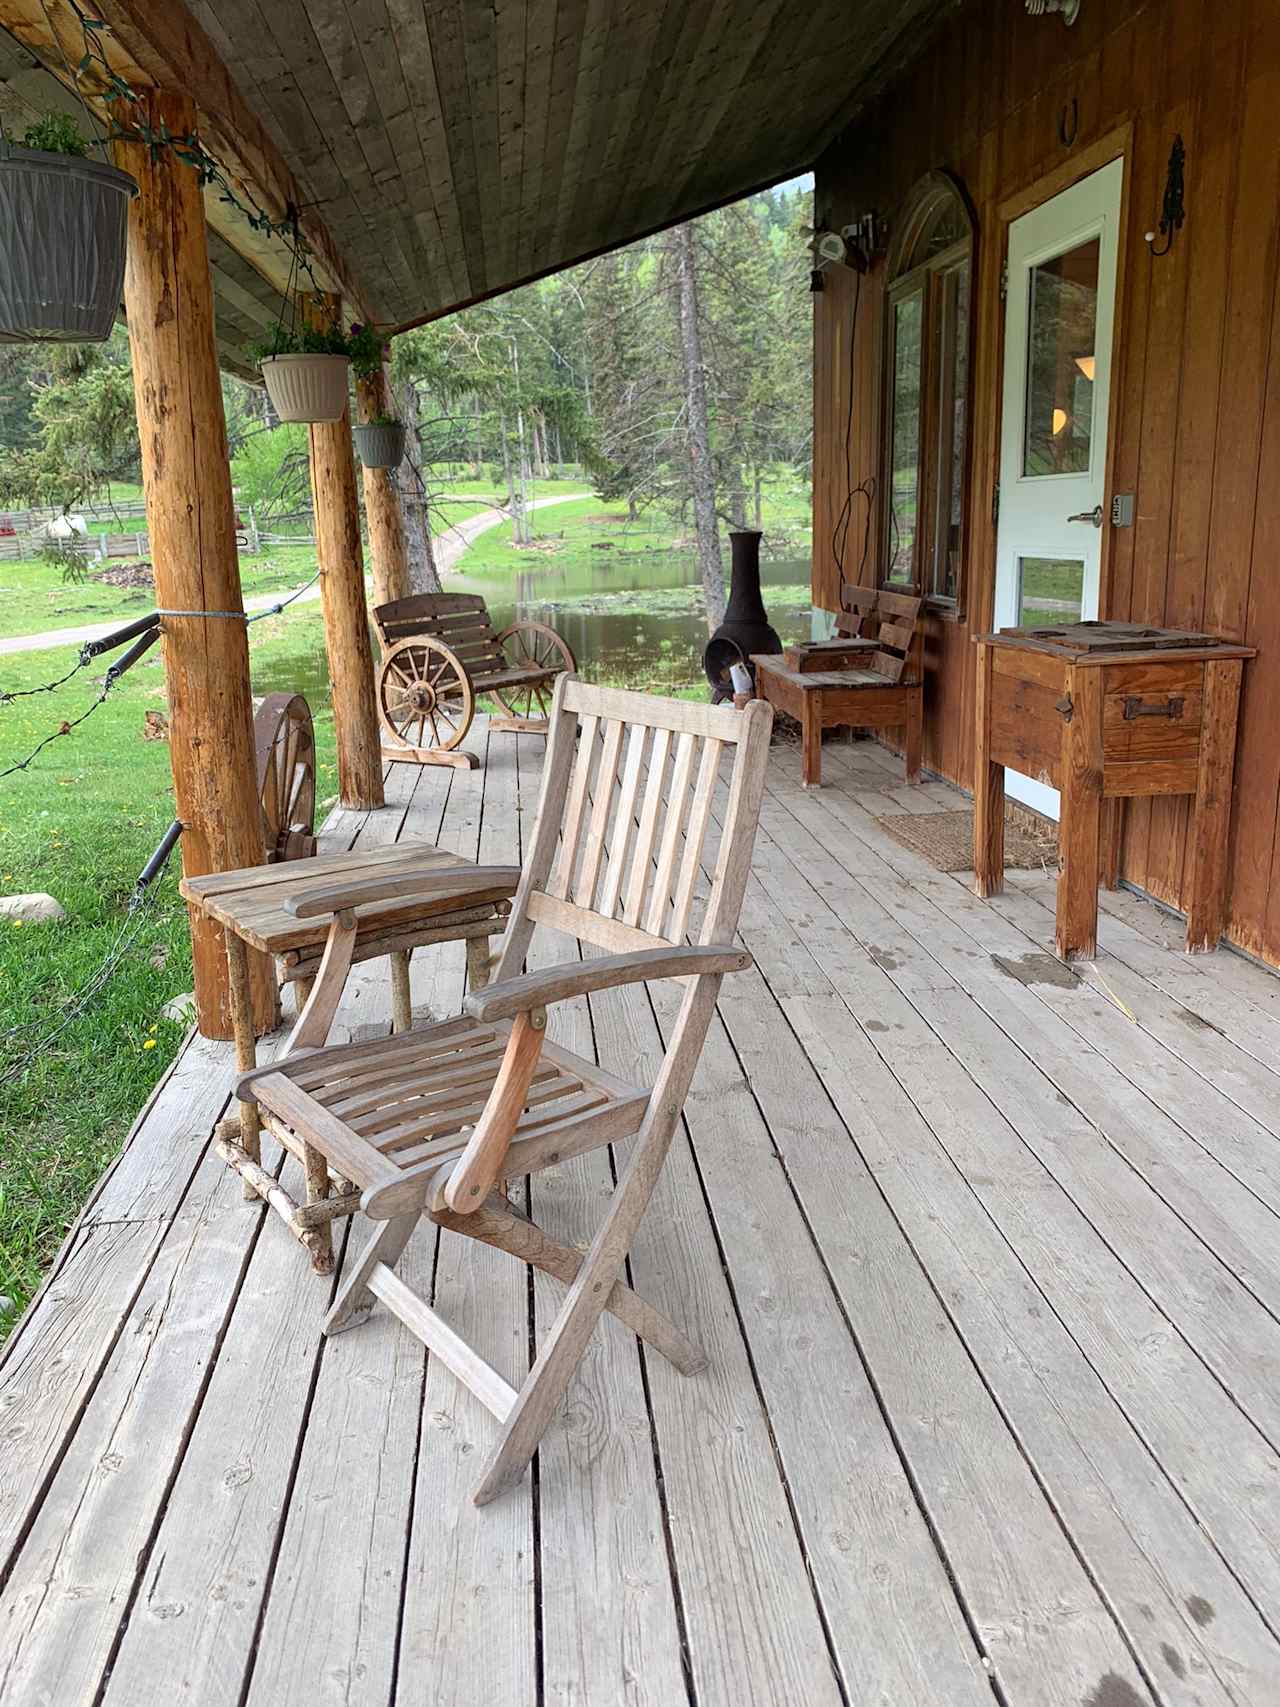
x=986, y=1266
x=469, y=1605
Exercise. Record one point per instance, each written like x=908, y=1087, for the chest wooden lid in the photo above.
x=1097, y=642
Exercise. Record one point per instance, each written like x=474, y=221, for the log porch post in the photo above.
x=346, y=618
x=187, y=479
x=387, y=545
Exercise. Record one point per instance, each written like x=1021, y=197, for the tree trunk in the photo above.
x=346, y=617
x=759, y=508
x=424, y=575
x=191, y=518
x=737, y=492
x=506, y=463
x=387, y=543
x=701, y=478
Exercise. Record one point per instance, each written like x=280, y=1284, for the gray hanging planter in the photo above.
x=381, y=444
x=63, y=237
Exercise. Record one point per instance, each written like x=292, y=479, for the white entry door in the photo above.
x=1053, y=448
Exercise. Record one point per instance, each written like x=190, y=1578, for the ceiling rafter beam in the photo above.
x=159, y=43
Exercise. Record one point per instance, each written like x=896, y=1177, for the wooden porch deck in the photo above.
x=985, y=1257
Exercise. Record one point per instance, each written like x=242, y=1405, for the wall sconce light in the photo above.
x=1172, y=210
x=1088, y=366
x=1068, y=10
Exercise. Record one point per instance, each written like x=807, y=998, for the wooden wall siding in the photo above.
x=1196, y=390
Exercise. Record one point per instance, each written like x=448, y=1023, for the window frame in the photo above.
x=938, y=342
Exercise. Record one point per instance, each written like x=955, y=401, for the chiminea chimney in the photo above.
x=745, y=628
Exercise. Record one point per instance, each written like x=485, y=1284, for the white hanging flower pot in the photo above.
x=380, y=443
x=307, y=388
x=63, y=235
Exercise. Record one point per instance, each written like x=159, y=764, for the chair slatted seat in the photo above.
x=432, y=1122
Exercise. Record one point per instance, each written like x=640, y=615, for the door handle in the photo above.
x=1094, y=515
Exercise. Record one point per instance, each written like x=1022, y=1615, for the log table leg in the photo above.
x=1206, y=905
x=988, y=792
x=479, y=962
x=320, y=1244
x=401, y=995
x=1081, y=821
x=241, y=1003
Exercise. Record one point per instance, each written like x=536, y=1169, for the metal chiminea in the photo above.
x=745, y=628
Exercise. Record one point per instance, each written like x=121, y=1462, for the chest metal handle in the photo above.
x=1170, y=708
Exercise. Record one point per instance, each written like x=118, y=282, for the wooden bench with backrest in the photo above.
x=440, y=653
x=871, y=676
x=432, y=1122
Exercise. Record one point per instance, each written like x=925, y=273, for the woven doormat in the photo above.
x=946, y=840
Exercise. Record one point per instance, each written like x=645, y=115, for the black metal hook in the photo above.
x=1172, y=210
x=1068, y=133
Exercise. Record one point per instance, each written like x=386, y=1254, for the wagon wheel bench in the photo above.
x=1104, y=712
x=258, y=907
x=440, y=653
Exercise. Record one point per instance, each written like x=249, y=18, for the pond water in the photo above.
x=632, y=618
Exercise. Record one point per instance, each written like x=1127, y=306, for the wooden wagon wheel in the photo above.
x=532, y=646
x=425, y=698
x=285, y=745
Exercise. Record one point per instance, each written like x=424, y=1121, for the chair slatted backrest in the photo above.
x=900, y=638
x=628, y=789
x=460, y=620
x=859, y=610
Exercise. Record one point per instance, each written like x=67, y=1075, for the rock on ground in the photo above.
x=31, y=909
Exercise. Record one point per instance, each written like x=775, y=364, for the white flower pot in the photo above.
x=307, y=388
x=63, y=226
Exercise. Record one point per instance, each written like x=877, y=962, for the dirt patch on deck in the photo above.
x=945, y=839
x=1032, y=969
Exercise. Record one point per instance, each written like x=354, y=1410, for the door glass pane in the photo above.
x=1062, y=328
x=953, y=394
x=904, y=440
x=1050, y=591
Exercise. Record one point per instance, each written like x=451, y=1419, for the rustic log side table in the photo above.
x=258, y=907
x=1104, y=712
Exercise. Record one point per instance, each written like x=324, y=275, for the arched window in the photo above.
x=930, y=273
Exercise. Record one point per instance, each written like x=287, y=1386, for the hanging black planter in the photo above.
x=63, y=233
x=380, y=443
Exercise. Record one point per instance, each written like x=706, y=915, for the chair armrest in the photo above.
x=581, y=977
x=449, y=879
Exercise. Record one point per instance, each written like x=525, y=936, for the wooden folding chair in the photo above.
x=433, y=1122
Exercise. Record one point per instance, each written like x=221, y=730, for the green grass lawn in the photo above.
x=80, y=824
x=34, y=597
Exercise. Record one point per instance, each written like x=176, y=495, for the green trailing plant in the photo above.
x=303, y=341
x=367, y=349
x=56, y=133
x=186, y=145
